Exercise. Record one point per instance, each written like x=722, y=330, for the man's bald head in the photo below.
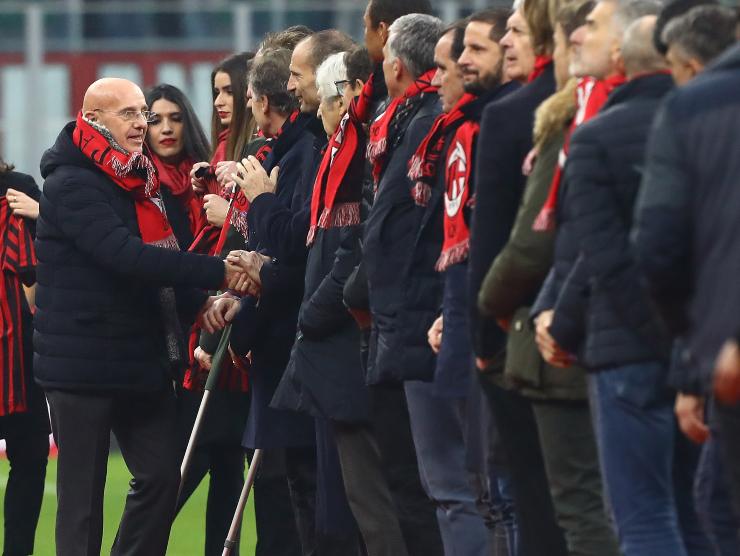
x=639, y=54
x=117, y=104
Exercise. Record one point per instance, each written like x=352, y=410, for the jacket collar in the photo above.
x=652, y=85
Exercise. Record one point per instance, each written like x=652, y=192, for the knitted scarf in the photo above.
x=176, y=178
x=386, y=127
x=337, y=190
x=591, y=95
x=540, y=64
x=132, y=171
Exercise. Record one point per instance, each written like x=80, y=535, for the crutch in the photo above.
x=221, y=351
x=236, y=522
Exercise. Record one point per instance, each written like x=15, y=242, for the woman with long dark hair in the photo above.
x=24, y=421
x=176, y=141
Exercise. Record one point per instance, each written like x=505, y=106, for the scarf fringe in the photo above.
x=239, y=222
x=455, y=254
x=167, y=243
x=376, y=149
x=343, y=214
x=545, y=221
x=137, y=161
x=416, y=167
x=421, y=193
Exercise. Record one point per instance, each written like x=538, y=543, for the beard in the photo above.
x=485, y=83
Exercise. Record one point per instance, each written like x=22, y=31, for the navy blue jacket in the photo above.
x=399, y=300
x=505, y=140
x=268, y=328
x=601, y=306
x=97, y=324
x=687, y=223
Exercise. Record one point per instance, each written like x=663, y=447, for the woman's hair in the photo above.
x=195, y=143
x=358, y=63
x=5, y=167
x=540, y=16
x=573, y=15
x=242, y=122
x=328, y=73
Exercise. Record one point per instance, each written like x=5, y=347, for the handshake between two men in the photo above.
x=242, y=278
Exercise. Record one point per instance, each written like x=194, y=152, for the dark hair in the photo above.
x=496, y=17
x=670, y=11
x=573, y=15
x=269, y=76
x=389, y=11
x=328, y=42
x=358, y=64
x=195, y=143
x=5, y=167
x=703, y=32
x=287, y=38
x=242, y=123
x=458, y=37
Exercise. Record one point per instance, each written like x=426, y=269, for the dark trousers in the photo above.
x=145, y=427
x=538, y=531
x=367, y=490
x=571, y=458
x=27, y=448
x=728, y=418
x=416, y=512
x=225, y=463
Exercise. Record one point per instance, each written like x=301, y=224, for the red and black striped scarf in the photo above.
x=591, y=95
x=337, y=190
x=131, y=171
x=18, y=263
x=424, y=166
x=387, y=125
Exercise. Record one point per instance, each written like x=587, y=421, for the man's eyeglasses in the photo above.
x=340, y=86
x=131, y=115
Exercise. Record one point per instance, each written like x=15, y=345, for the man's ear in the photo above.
x=90, y=115
x=397, y=69
x=383, y=32
x=696, y=66
x=265, y=104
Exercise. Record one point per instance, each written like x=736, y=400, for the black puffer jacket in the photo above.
x=601, y=305
x=97, y=322
x=687, y=223
x=402, y=309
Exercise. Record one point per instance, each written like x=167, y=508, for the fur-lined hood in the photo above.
x=555, y=113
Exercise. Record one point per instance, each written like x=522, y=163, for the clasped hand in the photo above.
x=252, y=178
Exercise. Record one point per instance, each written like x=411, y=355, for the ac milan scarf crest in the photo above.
x=591, y=95
x=425, y=165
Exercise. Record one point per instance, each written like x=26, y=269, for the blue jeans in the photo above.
x=438, y=428
x=636, y=434
x=712, y=494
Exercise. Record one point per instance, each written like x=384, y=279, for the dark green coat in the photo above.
x=512, y=283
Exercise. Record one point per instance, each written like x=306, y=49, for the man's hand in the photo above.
x=249, y=262
x=549, y=348
x=251, y=177
x=224, y=169
x=202, y=358
x=727, y=374
x=434, y=335
x=199, y=184
x=21, y=204
x=222, y=312
x=690, y=413
x=216, y=208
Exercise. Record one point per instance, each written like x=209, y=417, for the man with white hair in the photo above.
x=602, y=312
x=107, y=342
x=401, y=318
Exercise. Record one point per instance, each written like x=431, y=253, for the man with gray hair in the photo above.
x=398, y=348
x=602, y=313
x=698, y=37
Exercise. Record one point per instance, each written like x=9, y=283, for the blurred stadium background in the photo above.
x=51, y=51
